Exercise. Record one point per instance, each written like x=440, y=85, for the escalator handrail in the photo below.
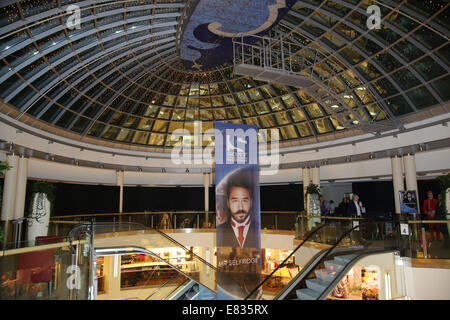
x=347, y=267
x=163, y=285
x=311, y=233
x=157, y=230
x=329, y=250
x=141, y=250
x=179, y=244
x=177, y=287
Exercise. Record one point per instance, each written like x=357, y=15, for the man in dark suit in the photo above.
x=354, y=207
x=239, y=229
x=239, y=257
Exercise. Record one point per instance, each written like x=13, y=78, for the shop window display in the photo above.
x=360, y=283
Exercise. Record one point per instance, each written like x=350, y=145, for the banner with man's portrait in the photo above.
x=408, y=201
x=238, y=221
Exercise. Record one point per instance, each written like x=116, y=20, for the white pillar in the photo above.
x=316, y=176
x=21, y=188
x=306, y=181
x=206, y=177
x=119, y=182
x=9, y=189
x=409, y=162
x=397, y=180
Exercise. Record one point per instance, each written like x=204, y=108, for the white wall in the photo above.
x=427, y=283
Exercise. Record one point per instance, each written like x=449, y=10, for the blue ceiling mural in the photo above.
x=207, y=39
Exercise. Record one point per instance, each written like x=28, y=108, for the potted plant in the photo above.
x=313, y=195
x=3, y=167
x=42, y=200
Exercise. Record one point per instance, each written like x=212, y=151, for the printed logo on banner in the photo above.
x=238, y=221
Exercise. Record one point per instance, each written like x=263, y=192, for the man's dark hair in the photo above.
x=239, y=185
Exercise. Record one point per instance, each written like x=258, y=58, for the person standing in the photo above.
x=354, y=207
x=331, y=207
x=343, y=207
x=323, y=208
x=429, y=207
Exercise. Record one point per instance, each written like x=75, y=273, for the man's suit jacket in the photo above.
x=238, y=280
x=352, y=211
x=227, y=237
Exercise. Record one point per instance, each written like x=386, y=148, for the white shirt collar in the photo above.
x=237, y=224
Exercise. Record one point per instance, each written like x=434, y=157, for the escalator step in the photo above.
x=324, y=275
x=345, y=258
x=307, y=294
x=333, y=266
x=316, y=285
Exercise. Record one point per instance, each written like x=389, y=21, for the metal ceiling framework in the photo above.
x=119, y=77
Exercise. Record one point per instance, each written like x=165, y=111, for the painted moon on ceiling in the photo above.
x=207, y=39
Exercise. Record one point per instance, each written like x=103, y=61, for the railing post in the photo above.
x=276, y=222
x=424, y=243
x=151, y=221
x=198, y=221
x=174, y=221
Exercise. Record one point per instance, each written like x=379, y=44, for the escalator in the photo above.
x=324, y=270
x=194, y=278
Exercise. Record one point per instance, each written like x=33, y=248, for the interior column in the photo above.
x=316, y=176
x=206, y=193
x=306, y=181
x=9, y=193
x=409, y=163
x=119, y=182
x=397, y=180
x=21, y=188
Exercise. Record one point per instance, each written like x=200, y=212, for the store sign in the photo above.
x=238, y=218
x=404, y=229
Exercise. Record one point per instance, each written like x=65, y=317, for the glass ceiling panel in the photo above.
x=119, y=76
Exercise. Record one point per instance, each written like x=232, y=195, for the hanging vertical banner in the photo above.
x=238, y=218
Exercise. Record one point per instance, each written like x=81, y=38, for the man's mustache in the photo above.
x=241, y=212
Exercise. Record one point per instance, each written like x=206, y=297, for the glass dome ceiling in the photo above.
x=119, y=78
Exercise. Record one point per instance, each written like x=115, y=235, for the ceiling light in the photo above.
x=335, y=106
x=356, y=122
x=360, y=89
x=7, y=47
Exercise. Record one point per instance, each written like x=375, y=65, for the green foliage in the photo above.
x=313, y=189
x=4, y=166
x=445, y=184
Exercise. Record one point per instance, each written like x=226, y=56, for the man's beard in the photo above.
x=240, y=213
